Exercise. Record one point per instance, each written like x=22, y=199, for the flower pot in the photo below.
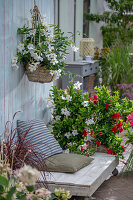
x=39, y=75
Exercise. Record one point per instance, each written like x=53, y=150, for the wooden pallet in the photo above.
x=86, y=181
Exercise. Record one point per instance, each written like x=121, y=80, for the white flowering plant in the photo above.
x=43, y=46
x=20, y=184
x=72, y=116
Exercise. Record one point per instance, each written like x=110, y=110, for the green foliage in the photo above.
x=108, y=126
x=79, y=114
x=116, y=66
x=43, y=45
x=98, y=117
x=117, y=23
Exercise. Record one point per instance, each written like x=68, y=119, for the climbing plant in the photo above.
x=118, y=21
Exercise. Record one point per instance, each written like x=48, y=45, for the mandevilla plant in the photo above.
x=43, y=45
x=76, y=117
x=108, y=111
x=71, y=116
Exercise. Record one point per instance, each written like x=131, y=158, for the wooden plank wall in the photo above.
x=16, y=92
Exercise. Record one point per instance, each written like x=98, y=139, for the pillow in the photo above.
x=66, y=162
x=39, y=136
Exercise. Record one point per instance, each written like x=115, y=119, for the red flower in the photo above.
x=87, y=154
x=106, y=105
x=85, y=133
x=114, y=129
x=94, y=114
x=109, y=151
x=119, y=124
x=95, y=102
x=123, y=148
x=82, y=149
x=95, y=96
x=120, y=129
x=124, y=163
x=91, y=133
x=116, y=115
x=89, y=99
x=98, y=143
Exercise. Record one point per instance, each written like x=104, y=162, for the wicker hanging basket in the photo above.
x=39, y=75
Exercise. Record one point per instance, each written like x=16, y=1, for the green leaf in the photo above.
x=4, y=181
x=21, y=196
x=2, y=198
x=30, y=188
x=10, y=193
x=1, y=189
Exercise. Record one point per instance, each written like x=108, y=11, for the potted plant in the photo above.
x=43, y=49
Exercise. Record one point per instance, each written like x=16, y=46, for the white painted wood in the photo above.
x=16, y=92
x=96, y=7
x=78, y=25
x=85, y=181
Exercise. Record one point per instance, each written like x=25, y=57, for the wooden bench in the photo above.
x=86, y=181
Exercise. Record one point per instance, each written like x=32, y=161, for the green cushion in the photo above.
x=67, y=162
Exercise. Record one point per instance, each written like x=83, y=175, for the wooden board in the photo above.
x=85, y=181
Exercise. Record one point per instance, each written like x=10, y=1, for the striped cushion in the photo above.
x=38, y=134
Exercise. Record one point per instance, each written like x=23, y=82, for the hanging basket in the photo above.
x=39, y=75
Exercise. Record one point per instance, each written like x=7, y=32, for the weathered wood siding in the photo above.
x=16, y=92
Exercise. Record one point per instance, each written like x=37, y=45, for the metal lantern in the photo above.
x=87, y=47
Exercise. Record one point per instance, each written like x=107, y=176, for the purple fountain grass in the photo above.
x=18, y=151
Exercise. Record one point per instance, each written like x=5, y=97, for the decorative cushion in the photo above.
x=66, y=162
x=39, y=136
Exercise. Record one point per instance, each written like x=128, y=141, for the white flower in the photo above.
x=77, y=85
x=69, y=144
x=67, y=151
x=68, y=134
x=75, y=49
x=52, y=72
x=50, y=48
x=87, y=129
x=44, y=32
x=74, y=132
x=14, y=60
x=85, y=146
x=57, y=117
x=33, y=67
x=68, y=98
x=44, y=22
x=49, y=39
x=63, y=98
x=41, y=193
x=30, y=46
x=89, y=122
x=34, y=55
x=15, y=67
x=32, y=32
x=64, y=111
x=36, y=64
x=39, y=58
x=25, y=52
x=85, y=103
x=20, y=47
x=48, y=56
x=53, y=56
x=54, y=61
x=28, y=175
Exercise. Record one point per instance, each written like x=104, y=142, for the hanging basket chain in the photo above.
x=37, y=19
